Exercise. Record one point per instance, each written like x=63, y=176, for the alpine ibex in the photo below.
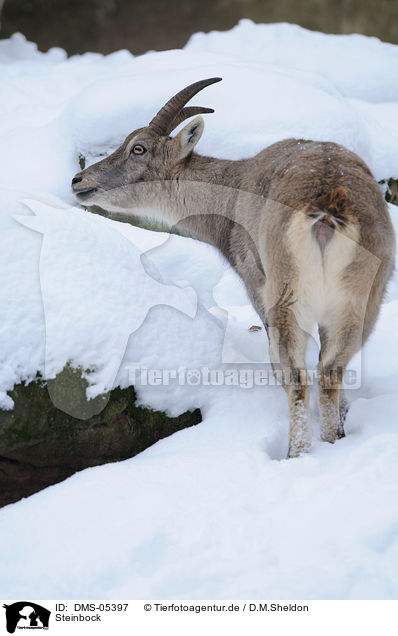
x=303, y=223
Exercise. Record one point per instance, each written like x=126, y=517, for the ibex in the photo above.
x=303, y=223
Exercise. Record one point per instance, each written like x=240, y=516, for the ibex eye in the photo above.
x=138, y=149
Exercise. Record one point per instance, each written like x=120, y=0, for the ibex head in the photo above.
x=147, y=154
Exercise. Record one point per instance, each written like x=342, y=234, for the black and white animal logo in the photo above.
x=26, y=615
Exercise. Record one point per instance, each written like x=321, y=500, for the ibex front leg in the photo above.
x=288, y=344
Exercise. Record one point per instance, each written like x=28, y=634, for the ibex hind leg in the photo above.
x=332, y=427
x=343, y=410
x=338, y=346
x=300, y=430
x=287, y=349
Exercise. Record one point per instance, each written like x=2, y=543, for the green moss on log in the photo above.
x=41, y=444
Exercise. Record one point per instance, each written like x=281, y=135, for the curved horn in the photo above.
x=165, y=117
x=183, y=114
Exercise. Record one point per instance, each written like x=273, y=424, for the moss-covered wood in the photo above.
x=41, y=445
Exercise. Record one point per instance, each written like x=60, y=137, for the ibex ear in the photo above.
x=189, y=136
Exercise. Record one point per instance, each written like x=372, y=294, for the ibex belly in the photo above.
x=319, y=291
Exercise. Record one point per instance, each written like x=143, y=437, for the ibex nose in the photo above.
x=81, y=188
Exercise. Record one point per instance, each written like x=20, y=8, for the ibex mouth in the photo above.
x=84, y=193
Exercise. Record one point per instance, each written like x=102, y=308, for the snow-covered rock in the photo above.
x=215, y=511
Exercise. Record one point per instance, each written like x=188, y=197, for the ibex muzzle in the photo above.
x=303, y=223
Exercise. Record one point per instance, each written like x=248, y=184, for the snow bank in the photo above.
x=215, y=511
x=355, y=65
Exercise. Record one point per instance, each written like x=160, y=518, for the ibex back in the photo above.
x=303, y=223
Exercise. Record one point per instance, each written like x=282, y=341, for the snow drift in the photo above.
x=215, y=511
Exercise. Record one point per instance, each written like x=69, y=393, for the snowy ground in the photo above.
x=214, y=511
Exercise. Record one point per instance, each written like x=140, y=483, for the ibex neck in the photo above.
x=221, y=171
x=209, y=197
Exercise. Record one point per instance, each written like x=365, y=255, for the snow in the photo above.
x=215, y=511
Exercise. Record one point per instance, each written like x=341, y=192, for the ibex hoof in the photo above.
x=330, y=435
x=298, y=450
